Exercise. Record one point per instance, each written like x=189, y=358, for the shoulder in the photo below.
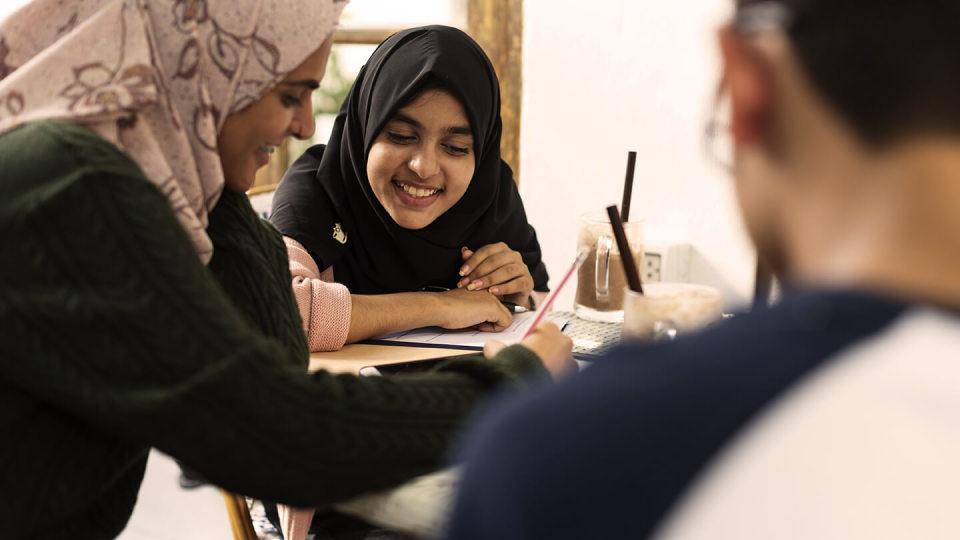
x=303, y=209
x=642, y=421
x=858, y=420
x=299, y=179
x=737, y=360
x=43, y=160
x=297, y=191
x=241, y=238
x=51, y=146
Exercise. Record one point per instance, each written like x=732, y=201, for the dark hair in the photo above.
x=891, y=68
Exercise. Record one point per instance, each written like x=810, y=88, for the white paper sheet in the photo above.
x=473, y=339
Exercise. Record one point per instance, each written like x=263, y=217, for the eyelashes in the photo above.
x=453, y=150
x=290, y=101
x=457, y=150
x=400, y=139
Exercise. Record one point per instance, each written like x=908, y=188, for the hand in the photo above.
x=554, y=348
x=500, y=270
x=461, y=308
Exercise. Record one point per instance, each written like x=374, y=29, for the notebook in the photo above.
x=466, y=339
x=590, y=339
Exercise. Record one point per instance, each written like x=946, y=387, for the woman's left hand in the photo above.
x=500, y=270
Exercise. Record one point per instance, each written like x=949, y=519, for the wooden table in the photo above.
x=353, y=357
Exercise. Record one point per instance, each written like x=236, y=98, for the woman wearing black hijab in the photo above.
x=410, y=195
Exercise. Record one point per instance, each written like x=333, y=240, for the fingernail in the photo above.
x=494, y=290
x=464, y=248
x=465, y=270
x=471, y=286
x=476, y=284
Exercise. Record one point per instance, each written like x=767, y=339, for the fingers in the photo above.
x=492, y=347
x=548, y=329
x=492, y=327
x=497, y=268
x=466, y=253
x=476, y=258
x=553, y=348
x=509, y=279
x=498, y=320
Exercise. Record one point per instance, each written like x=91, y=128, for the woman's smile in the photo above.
x=263, y=153
x=418, y=196
x=422, y=161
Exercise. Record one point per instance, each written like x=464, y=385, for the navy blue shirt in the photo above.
x=607, y=453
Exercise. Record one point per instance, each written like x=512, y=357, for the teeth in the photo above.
x=417, y=192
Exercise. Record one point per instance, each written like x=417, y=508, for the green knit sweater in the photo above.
x=115, y=339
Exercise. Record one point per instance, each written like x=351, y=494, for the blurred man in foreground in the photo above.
x=831, y=414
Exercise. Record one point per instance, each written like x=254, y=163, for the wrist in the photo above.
x=433, y=307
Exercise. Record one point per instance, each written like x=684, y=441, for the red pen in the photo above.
x=581, y=256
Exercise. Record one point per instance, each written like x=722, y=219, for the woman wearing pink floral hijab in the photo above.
x=142, y=302
x=156, y=79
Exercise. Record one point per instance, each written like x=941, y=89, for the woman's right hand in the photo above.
x=460, y=308
x=554, y=348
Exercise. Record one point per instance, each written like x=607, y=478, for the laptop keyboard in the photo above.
x=590, y=339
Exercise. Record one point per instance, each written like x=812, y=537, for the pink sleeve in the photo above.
x=294, y=522
x=324, y=306
x=325, y=309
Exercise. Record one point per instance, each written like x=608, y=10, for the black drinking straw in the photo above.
x=628, y=185
x=626, y=254
x=763, y=284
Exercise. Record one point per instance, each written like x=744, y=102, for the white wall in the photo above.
x=9, y=6
x=605, y=76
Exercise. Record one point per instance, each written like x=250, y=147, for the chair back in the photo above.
x=239, y=514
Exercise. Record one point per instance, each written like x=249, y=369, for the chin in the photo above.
x=239, y=187
x=412, y=223
x=241, y=182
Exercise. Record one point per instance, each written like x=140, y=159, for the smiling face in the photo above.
x=251, y=135
x=422, y=161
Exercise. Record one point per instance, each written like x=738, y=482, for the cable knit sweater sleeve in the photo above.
x=124, y=340
x=324, y=306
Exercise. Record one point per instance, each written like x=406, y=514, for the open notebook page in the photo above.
x=469, y=338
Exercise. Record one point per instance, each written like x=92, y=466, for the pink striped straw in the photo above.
x=581, y=256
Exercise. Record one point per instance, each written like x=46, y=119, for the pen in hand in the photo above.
x=514, y=308
x=581, y=256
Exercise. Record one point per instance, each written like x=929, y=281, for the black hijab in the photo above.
x=325, y=196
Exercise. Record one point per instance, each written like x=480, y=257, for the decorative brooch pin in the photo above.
x=338, y=234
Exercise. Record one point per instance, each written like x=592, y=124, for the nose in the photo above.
x=424, y=162
x=302, y=126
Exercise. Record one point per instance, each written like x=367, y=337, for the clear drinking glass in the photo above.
x=668, y=308
x=600, y=280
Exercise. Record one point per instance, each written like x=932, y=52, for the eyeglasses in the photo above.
x=757, y=17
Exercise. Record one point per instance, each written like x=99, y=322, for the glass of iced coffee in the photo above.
x=666, y=309
x=600, y=280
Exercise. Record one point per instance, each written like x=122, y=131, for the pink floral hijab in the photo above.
x=156, y=78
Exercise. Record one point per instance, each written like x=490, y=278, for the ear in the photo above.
x=745, y=73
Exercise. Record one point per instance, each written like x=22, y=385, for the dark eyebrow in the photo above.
x=459, y=130
x=400, y=117
x=453, y=130
x=312, y=84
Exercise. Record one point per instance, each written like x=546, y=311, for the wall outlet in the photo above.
x=666, y=262
x=652, y=263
